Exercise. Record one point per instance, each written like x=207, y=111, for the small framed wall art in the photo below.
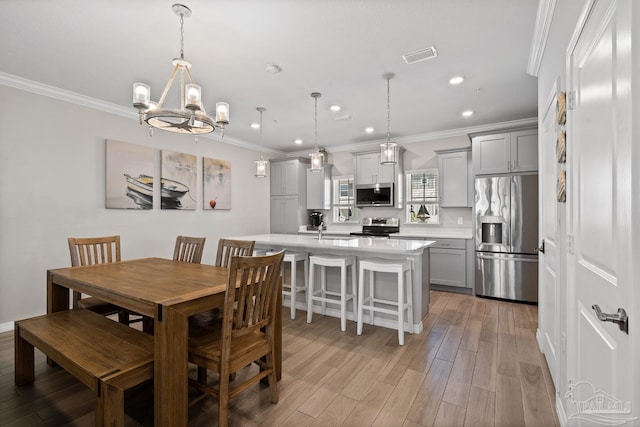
x=561, y=192
x=561, y=147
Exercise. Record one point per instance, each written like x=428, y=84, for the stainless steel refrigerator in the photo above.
x=506, y=235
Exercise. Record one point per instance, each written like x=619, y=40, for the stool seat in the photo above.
x=293, y=258
x=403, y=302
x=330, y=297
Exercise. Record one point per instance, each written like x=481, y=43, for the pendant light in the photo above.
x=190, y=117
x=261, y=163
x=388, y=150
x=318, y=155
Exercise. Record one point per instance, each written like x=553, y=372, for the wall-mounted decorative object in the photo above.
x=129, y=172
x=561, y=147
x=178, y=183
x=562, y=108
x=561, y=192
x=216, y=188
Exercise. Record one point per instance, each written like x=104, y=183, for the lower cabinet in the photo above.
x=447, y=263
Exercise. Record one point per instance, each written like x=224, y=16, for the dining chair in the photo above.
x=246, y=335
x=189, y=249
x=228, y=248
x=97, y=250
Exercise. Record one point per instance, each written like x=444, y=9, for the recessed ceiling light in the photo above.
x=255, y=125
x=369, y=129
x=335, y=108
x=298, y=141
x=467, y=113
x=456, y=80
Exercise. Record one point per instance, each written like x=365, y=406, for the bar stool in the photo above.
x=399, y=267
x=294, y=258
x=341, y=262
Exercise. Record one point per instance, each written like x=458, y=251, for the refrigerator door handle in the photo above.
x=511, y=257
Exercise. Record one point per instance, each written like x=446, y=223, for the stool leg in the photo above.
x=294, y=280
x=310, y=296
x=353, y=290
x=343, y=298
x=410, y=301
x=371, y=295
x=323, y=292
x=360, y=299
x=401, y=307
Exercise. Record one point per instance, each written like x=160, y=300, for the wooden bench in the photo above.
x=106, y=356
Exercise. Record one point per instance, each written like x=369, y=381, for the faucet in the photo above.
x=320, y=230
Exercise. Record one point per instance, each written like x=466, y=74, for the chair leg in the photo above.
x=372, y=277
x=123, y=316
x=410, y=301
x=323, y=292
x=273, y=382
x=343, y=298
x=354, y=288
x=202, y=375
x=223, y=399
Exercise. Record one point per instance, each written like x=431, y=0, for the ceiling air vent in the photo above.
x=420, y=55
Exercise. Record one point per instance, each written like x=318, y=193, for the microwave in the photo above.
x=374, y=195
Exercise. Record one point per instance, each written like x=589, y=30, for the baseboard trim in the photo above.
x=6, y=327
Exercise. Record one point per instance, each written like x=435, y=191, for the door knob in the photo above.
x=541, y=247
x=620, y=317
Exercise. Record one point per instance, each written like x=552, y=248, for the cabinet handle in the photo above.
x=515, y=163
x=508, y=165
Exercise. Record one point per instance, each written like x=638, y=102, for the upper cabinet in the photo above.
x=319, y=188
x=506, y=152
x=455, y=178
x=370, y=171
x=287, y=177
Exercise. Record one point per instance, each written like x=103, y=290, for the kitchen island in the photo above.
x=361, y=247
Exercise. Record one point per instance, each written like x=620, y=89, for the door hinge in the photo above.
x=570, y=243
x=571, y=99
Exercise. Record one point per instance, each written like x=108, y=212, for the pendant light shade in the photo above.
x=388, y=150
x=261, y=163
x=317, y=157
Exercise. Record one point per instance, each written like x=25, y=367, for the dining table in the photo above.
x=167, y=291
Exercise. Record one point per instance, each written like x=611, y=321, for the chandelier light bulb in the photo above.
x=193, y=96
x=222, y=113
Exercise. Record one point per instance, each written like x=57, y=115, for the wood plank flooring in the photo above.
x=475, y=364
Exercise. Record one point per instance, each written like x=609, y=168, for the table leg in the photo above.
x=170, y=367
x=57, y=300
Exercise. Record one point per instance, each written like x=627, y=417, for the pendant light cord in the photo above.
x=316, y=122
x=260, y=109
x=388, y=111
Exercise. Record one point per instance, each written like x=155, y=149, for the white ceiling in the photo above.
x=340, y=48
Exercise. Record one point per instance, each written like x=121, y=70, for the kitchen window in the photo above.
x=423, y=205
x=344, y=203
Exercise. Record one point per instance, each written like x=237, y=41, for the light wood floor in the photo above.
x=475, y=364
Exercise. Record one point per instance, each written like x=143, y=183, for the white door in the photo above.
x=601, y=201
x=551, y=296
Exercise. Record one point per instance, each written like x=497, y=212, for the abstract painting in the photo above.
x=129, y=176
x=216, y=177
x=178, y=181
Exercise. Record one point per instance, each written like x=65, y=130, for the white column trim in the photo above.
x=540, y=35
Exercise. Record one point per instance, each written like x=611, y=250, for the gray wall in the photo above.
x=52, y=186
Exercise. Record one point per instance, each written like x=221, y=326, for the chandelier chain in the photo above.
x=182, y=36
x=388, y=111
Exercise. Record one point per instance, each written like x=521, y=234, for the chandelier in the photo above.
x=318, y=155
x=191, y=117
x=261, y=163
x=388, y=150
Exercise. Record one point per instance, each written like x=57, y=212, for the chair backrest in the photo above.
x=250, y=299
x=189, y=249
x=228, y=248
x=94, y=250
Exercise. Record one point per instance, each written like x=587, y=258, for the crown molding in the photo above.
x=107, y=107
x=411, y=139
x=540, y=35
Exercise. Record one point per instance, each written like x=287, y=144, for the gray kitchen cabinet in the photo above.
x=319, y=188
x=370, y=171
x=506, y=152
x=448, y=260
x=455, y=178
x=288, y=194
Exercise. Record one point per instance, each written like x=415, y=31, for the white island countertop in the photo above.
x=407, y=232
x=360, y=244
